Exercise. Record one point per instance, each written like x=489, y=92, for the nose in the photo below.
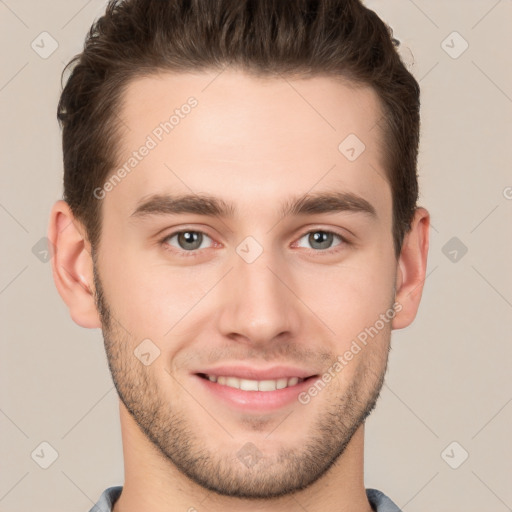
x=258, y=303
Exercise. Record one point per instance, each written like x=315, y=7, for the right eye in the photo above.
x=186, y=241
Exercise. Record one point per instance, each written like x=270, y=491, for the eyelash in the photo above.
x=195, y=253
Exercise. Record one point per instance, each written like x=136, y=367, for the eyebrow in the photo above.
x=203, y=204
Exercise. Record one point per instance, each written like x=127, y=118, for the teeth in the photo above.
x=255, y=385
x=267, y=385
x=232, y=382
x=281, y=383
x=248, y=385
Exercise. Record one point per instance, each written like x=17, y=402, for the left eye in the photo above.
x=321, y=240
x=188, y=240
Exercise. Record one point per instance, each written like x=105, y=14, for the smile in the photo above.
x=253, y=385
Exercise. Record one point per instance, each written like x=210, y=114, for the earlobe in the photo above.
x=72, y=265
x=411, y=272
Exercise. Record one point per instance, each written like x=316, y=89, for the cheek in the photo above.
x=348, y=296
x=149, y=298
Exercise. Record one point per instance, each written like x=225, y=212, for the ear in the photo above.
x=72, y=265
x=412, y=266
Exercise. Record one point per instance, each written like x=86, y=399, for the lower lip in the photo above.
x=255, y=400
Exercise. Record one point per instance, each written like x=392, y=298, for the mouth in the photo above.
x=254, y=385
x=256, y=395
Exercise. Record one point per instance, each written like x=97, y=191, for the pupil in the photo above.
x=190, y=238
x=321, y=238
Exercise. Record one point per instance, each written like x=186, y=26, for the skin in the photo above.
x=254, y=143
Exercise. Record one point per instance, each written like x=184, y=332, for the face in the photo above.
x=269, y=272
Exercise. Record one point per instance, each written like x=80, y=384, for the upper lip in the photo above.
x=246, y=372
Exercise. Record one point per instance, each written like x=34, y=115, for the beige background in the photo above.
x=449, y=373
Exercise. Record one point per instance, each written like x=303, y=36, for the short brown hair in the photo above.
x=136, y=38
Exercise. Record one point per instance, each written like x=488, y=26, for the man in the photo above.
x=240, y=219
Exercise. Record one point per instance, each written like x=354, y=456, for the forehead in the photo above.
x=248, y=139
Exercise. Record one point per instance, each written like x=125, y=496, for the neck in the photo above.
x=152, y=482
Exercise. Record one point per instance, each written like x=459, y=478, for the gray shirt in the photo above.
x=378, y=500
